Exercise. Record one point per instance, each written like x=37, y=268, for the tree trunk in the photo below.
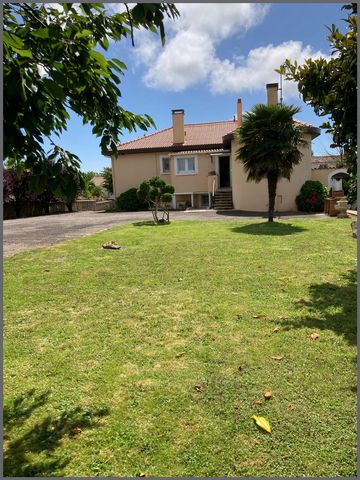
x=69, y=207
x=46, y=208
x=272, y=184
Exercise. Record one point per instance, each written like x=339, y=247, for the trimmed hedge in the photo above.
x=312, y=197
x=130, y=202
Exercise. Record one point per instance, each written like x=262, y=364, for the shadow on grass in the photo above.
x=330, y=307
x=150, y=223
x=269, y=228
x=43, y=437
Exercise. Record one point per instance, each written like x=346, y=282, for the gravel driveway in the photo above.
x=28, y=233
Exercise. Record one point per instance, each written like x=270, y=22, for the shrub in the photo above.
x=129, y=201
x=311, y=197
x=350, y=189
x=158, y=195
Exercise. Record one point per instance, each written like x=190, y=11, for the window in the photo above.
x=165, y=164
x=185, y=166
x=204, y=200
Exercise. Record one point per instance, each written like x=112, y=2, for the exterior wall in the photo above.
x=251, y=196
x=131, y=169
x=192, y=183
x=322, y=175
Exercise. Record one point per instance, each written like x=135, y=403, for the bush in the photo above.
x=158, y=195
x=311, y=197
x=130, y=202
x=350, y=189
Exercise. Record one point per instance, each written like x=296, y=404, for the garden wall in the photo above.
x=33, y=209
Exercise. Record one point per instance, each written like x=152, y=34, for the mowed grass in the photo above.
x=121, y=363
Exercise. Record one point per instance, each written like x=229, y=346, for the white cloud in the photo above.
x=219, y=20
x=179, y=65
x=189, y=56
x=189, y=52
x=258, y=68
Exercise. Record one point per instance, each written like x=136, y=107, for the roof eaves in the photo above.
x=170, y=148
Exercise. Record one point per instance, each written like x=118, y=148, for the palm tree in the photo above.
x=269, y=145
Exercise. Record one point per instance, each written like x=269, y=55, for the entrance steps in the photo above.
x=223, y=200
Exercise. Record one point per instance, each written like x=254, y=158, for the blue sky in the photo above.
x=214, y=54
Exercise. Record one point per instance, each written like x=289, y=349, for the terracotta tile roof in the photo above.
x=206, y=150
x=325, y=161
x=325, y=158
x=196, y=135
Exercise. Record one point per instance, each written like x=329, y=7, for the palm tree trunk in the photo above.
x=272, y=184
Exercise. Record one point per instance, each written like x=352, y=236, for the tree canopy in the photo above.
x=330, y=86
x=106, y=173
x=269, y=145
x=53, y=65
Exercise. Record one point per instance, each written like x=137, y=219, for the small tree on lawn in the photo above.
x=269, y=145
x=158, y=194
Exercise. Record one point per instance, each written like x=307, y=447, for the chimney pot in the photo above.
x=272, y=93
x=178, y=126
x=239, y=112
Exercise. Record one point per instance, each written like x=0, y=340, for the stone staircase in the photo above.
x=223, y=200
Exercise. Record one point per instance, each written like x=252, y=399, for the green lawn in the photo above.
x=126, y=362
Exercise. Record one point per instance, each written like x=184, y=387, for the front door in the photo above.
x=224, y=172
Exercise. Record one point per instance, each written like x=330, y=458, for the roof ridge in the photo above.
x=169, y=128
x=144, y=136
x=209, y=123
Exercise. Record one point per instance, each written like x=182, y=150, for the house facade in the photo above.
x=327, y=169
x=200, y=161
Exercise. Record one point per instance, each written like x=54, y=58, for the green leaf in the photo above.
x=105, y=43
x=119, y=63
x=40, y=33
x=54, y=89
x=23, y=53
x=67, y=7
x=99, y=58
x=83, y=34
x=12, y=40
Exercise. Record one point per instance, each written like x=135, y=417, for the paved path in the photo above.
x=28, y=233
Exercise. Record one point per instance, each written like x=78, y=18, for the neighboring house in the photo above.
x=200, y=160
x=326, y=169
x=98, y=181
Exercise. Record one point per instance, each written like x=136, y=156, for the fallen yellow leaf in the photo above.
x=257, y=402
x=178, y=355
x=277, y=357
x=260, y=315
x=314, y=336
x=268, y=395
x=262, y=423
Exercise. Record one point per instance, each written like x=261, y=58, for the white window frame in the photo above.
x=161, y=165
x=186, y=172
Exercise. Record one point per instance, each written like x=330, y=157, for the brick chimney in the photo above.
x=239, y=112
x=178, y=126
x=272, y=93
